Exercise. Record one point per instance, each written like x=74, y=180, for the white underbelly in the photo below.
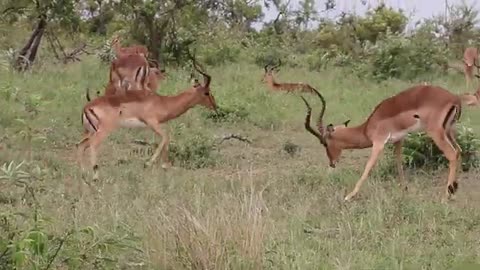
x=132, y=123
x=401, y=134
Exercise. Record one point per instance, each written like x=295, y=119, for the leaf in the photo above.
x=38, y=242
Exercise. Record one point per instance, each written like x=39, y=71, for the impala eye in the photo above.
x=207, y=93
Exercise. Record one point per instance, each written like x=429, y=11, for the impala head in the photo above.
x=327, y=135
x=268, y=75
x=203, y=90
x=470, y=57
x=156, y=74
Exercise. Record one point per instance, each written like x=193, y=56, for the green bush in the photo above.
x=193, y=152
x=224, y=114
x=220, y=54
x=420, y=152
x=401, y=57
x=106, y=53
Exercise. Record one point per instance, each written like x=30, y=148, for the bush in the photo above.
x=220, y=55
x=224, y=114
x=106, y=53
x=419, y=151
x=194, y=152
x=291, y=148
x=404, y=58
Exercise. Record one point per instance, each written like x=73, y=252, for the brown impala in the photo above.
x=288, y=87
x=470, y=60
x=136, y=72
x=420, y=108
x=139, y=109
x=134, y=49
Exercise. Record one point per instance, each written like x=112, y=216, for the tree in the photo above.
x=42, y=13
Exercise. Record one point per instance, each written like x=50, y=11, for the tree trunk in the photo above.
x=28, y=53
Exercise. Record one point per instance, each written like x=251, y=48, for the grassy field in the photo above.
x=271, y=204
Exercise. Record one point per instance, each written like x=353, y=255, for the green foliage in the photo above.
x=193, y=152
x=381, y=20
x=226, y=114
x=403, y=58
x=106, y=53
x=420, y=152
x=26, y=241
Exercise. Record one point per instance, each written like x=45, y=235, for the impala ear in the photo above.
x=196, y=83
x=346, y=123
x=330, y=128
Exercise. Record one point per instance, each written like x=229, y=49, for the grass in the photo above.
x=271, y=204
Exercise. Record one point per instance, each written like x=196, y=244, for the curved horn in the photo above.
x=153, y=63
x=308, y=127
x=266, y=68
x=320, y=117
x=207, y=78
x=277, y=65
x=88, y=94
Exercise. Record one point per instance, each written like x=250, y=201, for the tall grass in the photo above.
x=256, y=206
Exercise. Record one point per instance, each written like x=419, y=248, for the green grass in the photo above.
x=247, y=206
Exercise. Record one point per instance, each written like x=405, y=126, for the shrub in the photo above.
x=220, y=55
x=291, y=148
x=404, y=58
x=193, y=152
x=419, y=151
x=227, y=114
x=106, y=53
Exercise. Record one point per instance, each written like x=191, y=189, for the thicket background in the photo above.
x=268, y=204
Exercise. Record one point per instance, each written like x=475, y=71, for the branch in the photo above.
x=13, y=9
x=235, y=136
x=62, y=241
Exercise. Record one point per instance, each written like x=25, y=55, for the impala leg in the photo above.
x=451, y=137
x=442, y=140
x=468, y=76
x=376, y=151
x=95, y=141
x=81, y=146
x=398, y=161
x=162, y=147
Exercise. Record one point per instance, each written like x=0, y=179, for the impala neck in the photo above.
x=181, y=103
x=271, y=82
x=352, y=137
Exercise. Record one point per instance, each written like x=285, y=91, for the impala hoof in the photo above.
x=166, y=165
x=351, y=195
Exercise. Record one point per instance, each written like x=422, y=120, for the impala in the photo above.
x=420, y=108
x=142, y=109
x=470, y=59
x=135, y=70
x=134, y=49
x=471, y=99
x=289, y=87
x=119, y=84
